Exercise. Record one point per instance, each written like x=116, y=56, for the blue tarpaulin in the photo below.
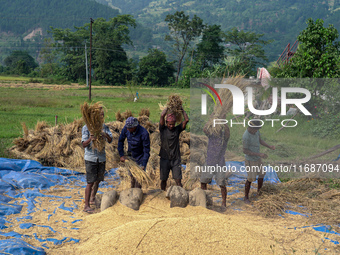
x=25, y=179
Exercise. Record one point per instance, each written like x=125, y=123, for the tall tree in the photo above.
x=155, y=70
x=183, y=30
x=210, y=50
x=248, y=48
x=318, y=54
x=110, y=61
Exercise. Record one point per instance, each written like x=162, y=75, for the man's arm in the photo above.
x=86, y=137
x=107, y=134
x=186, y=119
x=121, y=144
x=251, y=153
x=162, y=119
x=146, y=149
x=272, y=147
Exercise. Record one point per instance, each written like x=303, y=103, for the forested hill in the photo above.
x=21, y=16
x=281, y=20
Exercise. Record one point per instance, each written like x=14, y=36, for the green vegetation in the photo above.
x=183, y=31
x=30, y=105
x=109, y=61
x=155, y=70
x=280, y=21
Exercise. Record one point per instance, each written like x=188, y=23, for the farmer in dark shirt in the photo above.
x=170, y=153
x=138, y=145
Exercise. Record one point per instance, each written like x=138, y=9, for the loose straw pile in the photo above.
x=136, y=171
x=94, y=122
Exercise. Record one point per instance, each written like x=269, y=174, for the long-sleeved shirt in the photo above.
x=92, y=154
x=138, y=144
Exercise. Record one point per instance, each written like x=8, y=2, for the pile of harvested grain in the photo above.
x=92, y=116
x=158, y=229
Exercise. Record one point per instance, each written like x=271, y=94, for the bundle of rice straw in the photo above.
x=137, y=172
x=144, y=112
x=227, y=103
x=94, y=122
x=119, y=117
x=174, y=106
x=127, y=114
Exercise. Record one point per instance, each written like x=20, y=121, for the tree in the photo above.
x=110, y=61
x=48, y=58
x=317, y=56
x=20, y=62
x=182, y=32
x=247, y=47
x=318, y=53
x=155, y=70
x=209, y=50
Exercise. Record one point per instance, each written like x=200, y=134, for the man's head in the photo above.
x=254, y=126
x=131, y=124
x=170, y=121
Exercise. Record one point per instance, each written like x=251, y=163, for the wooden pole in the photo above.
x=90, y=59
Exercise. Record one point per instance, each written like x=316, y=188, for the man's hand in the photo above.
x=272, y=147
x=122, y=159
x=93, y=137
x=143, y=167
x=262, y=155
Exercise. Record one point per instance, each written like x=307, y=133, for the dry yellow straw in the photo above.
x=94, y=122
x=139, y=174
x=174, y=106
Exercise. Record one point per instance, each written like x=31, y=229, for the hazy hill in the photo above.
x=281, y=20
x=24, y=24
x=21, y=16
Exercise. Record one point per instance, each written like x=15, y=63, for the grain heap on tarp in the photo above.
x=92, y=116
x=174, y=106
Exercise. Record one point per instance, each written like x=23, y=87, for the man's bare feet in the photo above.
x=223, y=208
x=88, y=210
x=246, y=200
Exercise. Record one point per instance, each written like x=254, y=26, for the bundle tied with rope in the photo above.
x=174, y=106
x=94, y=122
x=220, y=111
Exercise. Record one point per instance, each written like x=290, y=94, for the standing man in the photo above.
x=170, y=153
x=138, y=145
x=217, y=146
x=94, y=163
x=251, y=148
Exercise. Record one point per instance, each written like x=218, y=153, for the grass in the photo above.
x=31, y=105
x=13, y=78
